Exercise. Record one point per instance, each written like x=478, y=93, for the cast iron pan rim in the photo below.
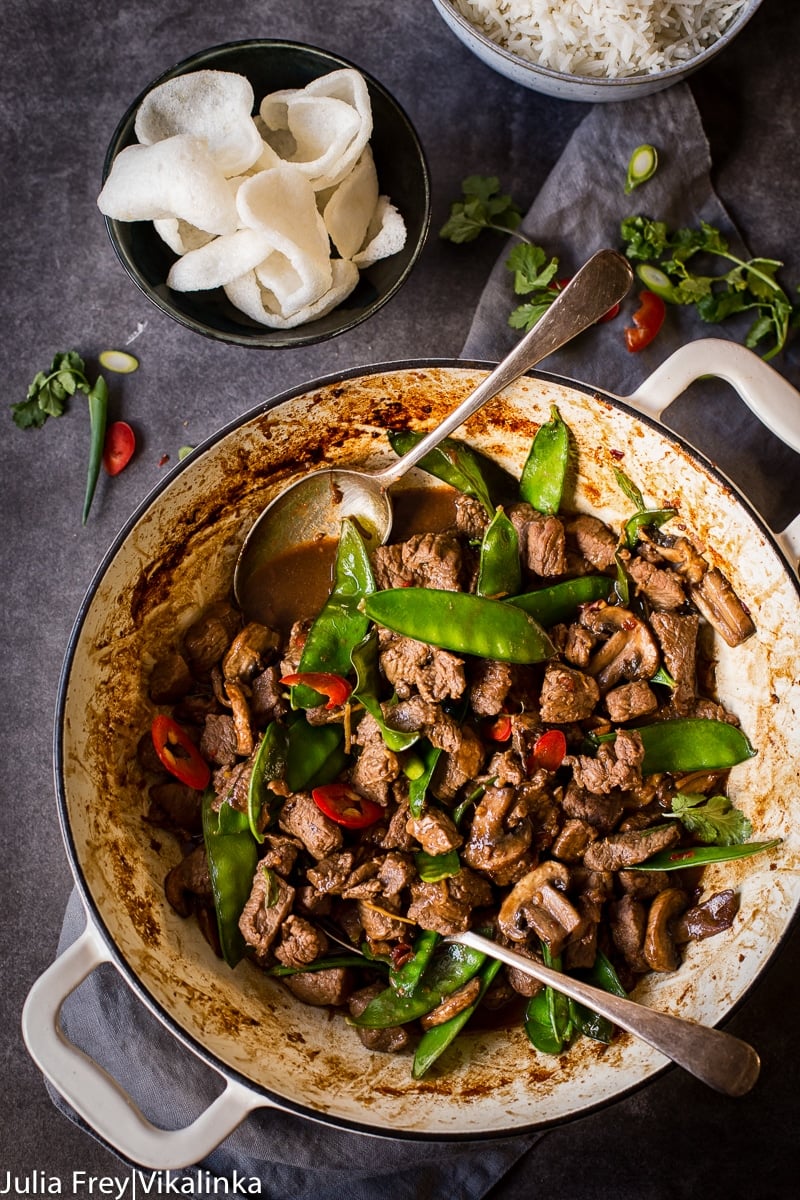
x=93, y=914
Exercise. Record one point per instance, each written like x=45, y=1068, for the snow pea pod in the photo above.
x=364, y=659
x=549, y=1017
x=688, y=744
x=341, y=624
x=601, y=975
x=461, y=622
x=269, y=765
x=499, y=571
x=314, y=756
x=453, y=462
x=645, y=518
x=448, y=971
x=700, y=856
x=545, y=471
x=405, y=979
x=418, y=786
x=232, y=854
x=435, y=1040
x=561, y=601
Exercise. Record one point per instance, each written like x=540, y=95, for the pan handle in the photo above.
x=98, y=1098
x=772, y=398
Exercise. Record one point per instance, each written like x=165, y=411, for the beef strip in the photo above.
x=207, y=639
x=626, y=849
x=542, y=542
x=387, y=1041
x=301, y=818
x=219, y=741
x=601, y=812
x=573, y=840
x=434, y=906
x=434, y=831
x=567, y=695
x=489, y=684
x=431, y=560
x=300, y=943
x=279, y=853
x=472, y=518
x=593, y=540
x=458, y=767
x=617, y=765
x=414, y=666
x=628, y=924
x=376, y=766
x=677, y=637
x=267, y=699
x=396, y=871
x=329, y=987
x=330, y=874
x=663, y=588
x=493, y=848
x=267, y=907
x=630, y=700
x=578, y=645
x=249, y=652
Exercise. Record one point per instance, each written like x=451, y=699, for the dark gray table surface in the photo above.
x=70, y=69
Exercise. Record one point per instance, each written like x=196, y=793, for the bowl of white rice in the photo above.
x=595, y=50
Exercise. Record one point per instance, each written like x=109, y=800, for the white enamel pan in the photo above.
x=177, y=553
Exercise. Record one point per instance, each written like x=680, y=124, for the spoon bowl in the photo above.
x=313, y=508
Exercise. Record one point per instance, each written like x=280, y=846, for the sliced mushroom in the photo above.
x=248, y=651
x=631, y=652
x=660, y=950
x=722, y=608
x=681, y=553
x=491, y=847
x=240, y=712
x=455, y=1003
x=538, y=902
x=714, y=915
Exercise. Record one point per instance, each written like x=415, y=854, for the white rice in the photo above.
x=613, y=38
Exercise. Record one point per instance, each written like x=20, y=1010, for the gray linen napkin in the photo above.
x=577, y=211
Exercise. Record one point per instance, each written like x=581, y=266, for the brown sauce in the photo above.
x=295, y=585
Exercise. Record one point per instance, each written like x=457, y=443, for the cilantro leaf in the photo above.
x=713, y=821
x=483, y=207
x=745, y=285
x=48, y=392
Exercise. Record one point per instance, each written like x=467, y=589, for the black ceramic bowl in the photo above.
x=402, y=175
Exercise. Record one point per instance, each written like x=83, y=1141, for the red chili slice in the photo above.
x=647, y=321
x=499, y=728
x=118, y=448
x=178, y=753
x=335, y=687
x=345, y=806
x=548, y=751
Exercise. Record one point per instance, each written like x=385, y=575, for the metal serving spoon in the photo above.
x=718, y=1059
x=314, y=506
x=725, y=1063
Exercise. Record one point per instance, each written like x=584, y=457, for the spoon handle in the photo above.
x=600, y=284
x=723, y=1062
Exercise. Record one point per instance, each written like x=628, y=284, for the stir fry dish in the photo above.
x=503, y=721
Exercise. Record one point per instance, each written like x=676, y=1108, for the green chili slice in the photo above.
x=341, y=624
x=499, y=571
x=453, y=462
x=314, y=756
x=701, y=856
x=232, y=854
x=657, y=281
x=545, y=470
x=269, y=765
x=561, y=601
x=461, y=622
x=98, y=413
x=435, y=1040
x=447, y=972
x=642, y=166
